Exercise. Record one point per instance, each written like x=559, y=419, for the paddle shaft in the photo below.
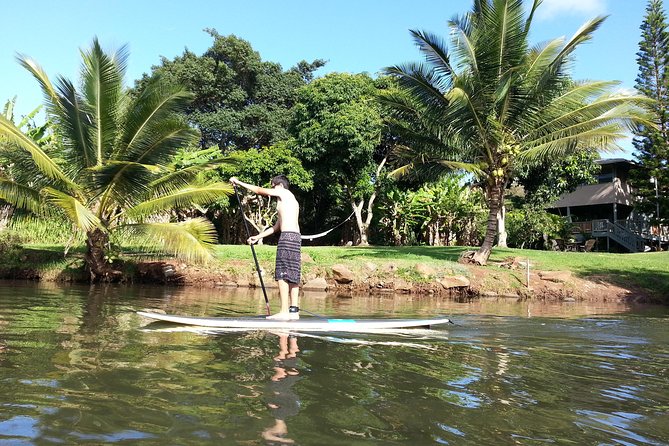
x=253, y=251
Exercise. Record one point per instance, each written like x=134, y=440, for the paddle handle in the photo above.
x=253, y=251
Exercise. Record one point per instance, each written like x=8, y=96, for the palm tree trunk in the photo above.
x=96, y=258
x=495, y=195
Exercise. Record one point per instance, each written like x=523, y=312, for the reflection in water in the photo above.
x=77, y=365
x=281, y=398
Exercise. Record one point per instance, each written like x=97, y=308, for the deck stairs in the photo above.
x=618, y=233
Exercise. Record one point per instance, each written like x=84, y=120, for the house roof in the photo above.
x=594, y=194
x=615, y=161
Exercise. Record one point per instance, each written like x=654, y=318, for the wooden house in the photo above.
x=606, y=212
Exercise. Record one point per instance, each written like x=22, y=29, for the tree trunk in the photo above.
x=495, y=196
x=97, y=263
x=362, y=227
x=501, y=227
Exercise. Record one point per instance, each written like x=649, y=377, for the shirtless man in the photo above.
x=288, y=262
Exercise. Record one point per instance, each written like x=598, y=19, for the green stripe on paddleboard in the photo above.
x=350, y=321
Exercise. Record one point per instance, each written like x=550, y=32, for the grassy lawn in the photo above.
x=647, y=270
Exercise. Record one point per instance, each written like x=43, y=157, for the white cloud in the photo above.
x=550, y=9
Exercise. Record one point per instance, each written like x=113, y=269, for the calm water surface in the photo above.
x=78, y=366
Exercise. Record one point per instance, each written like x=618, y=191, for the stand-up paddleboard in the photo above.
x=305, y=324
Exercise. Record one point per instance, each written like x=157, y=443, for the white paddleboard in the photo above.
x=304, y=324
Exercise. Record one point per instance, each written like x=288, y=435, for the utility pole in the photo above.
x=653, y=180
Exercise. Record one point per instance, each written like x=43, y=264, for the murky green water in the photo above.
x=77, y=366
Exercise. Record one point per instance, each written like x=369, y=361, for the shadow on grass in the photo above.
x=448, y=253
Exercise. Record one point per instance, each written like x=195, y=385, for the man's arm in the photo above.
x=256, y=189
x=269, y=231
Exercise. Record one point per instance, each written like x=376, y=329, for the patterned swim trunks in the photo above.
x=288, y=260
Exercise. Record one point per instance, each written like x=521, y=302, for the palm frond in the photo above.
x=582, y=35
x=191, y=240
x=539, y=61
x=603, y=137
x=530, y=16
x=75, y=124
x=121, y=183
x=435, y=52
x=102, y=77
x=76, y=211
x=49, y=92
x=421, y=82
x=19, y=195
x=158, y=103
x=39, y=157
x=179, y=199
x=177, y=179
x=464, y=48
x=462, y=96
x=565, y=115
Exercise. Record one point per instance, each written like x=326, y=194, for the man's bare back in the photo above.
x=288, y=210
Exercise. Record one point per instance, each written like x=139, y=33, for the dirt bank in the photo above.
x=492, y=280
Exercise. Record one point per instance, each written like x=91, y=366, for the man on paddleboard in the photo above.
x=288, y=260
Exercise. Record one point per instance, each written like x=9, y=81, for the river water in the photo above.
x=78, y=366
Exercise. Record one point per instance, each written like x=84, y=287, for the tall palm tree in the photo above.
x=494, y=102
x=113, y=168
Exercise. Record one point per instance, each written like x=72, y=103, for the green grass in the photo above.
x=390, y=261
x=646, y=270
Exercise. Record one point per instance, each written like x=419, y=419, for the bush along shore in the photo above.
x=512, y=273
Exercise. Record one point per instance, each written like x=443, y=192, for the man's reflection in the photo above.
x=281, y=399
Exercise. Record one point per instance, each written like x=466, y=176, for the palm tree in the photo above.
x=112, y=171
x=495, y=102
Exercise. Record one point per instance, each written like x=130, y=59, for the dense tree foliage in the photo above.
x=240, y=100
x=338, y=127
x=113, y=170
x=257, y=166
x=442, y=213
x=494, y=102
x=652, y=142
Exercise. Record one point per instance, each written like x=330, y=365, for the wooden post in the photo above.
x=528, y=273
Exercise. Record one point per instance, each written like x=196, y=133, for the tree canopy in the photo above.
x=337, y=127
x=240, y=101
x=652, y=142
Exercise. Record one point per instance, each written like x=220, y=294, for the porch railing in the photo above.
x=630, y=240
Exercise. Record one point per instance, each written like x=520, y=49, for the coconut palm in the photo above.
x=494, y=102
x=113, y=170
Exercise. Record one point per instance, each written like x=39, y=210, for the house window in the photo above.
x=606, y=178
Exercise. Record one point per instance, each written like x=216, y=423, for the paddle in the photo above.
x=248, y=234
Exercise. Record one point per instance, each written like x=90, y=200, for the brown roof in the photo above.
x=593, y=194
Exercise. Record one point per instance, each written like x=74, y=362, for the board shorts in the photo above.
x=288, y=258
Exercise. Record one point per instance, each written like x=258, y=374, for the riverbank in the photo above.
x=416, y=270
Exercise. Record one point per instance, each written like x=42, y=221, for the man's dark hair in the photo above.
x=280, y=179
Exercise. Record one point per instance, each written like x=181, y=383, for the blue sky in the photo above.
x=352, y=35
